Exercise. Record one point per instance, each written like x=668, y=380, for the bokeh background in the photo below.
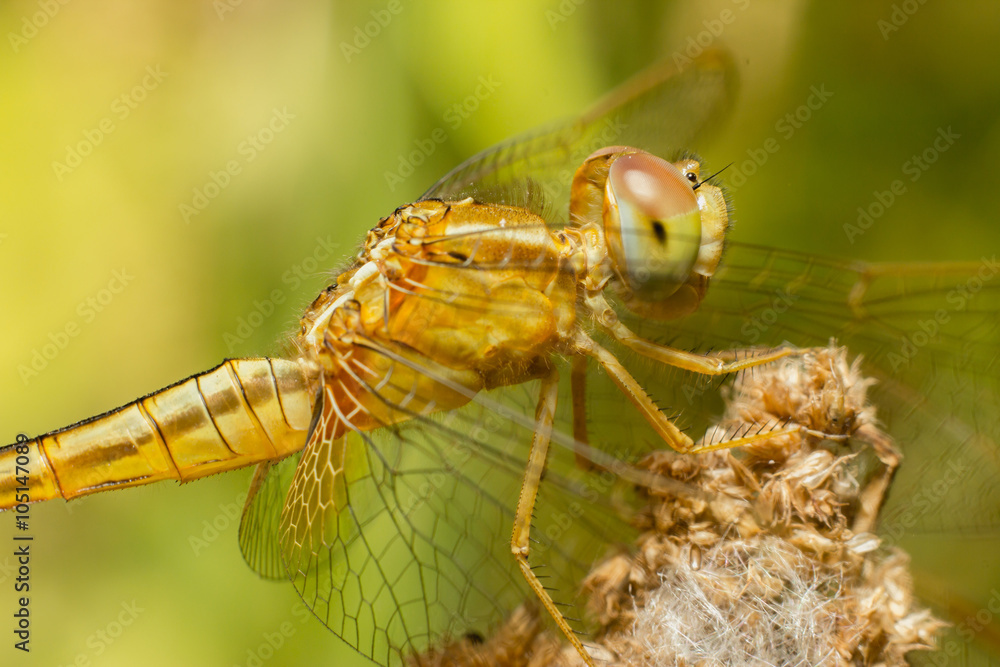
x=122, y=579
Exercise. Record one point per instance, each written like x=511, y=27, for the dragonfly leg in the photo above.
x=578, y=391
x=690, y=361
x=519, y=541
x=628, y=385
x=673, y=436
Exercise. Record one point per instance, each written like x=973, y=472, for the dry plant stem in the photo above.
x=772, y=562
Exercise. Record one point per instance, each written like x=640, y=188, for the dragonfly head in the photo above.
x=664, y=229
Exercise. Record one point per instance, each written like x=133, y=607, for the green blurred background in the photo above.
x=351, y=114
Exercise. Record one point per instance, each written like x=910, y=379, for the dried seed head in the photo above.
x=787, y=568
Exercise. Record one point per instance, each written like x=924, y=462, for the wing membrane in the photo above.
x=403, y=537
x=932, y=344
x=930, y=335
x=415, y=543
x=662, y=111
x=261, y=513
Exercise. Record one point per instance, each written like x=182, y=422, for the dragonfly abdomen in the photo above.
x=237, y=414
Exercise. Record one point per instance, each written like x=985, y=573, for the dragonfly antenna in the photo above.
x=708, y=178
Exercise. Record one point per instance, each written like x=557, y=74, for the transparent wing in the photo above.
x=259, y=541
x=662, y=110
x=930, y=334
x=401, y=538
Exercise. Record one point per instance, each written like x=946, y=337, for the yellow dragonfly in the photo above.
x=527, y=316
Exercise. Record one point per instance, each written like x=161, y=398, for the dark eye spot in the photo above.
x=474, y=638
x=660, y=231
x=691, y=176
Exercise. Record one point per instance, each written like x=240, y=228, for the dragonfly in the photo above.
x=454, y=394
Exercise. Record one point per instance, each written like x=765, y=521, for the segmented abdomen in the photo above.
x=237, y=414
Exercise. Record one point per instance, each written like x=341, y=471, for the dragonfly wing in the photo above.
x=261, y=515
x=662, y=111
x=400, y=538
x=930, y=335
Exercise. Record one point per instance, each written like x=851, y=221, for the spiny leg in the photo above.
x=690, y=361
x=666, y=429
x=519, y=541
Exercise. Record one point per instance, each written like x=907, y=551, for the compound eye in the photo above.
x=652, y=224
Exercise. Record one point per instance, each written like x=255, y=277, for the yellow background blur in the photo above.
x=223, y=71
